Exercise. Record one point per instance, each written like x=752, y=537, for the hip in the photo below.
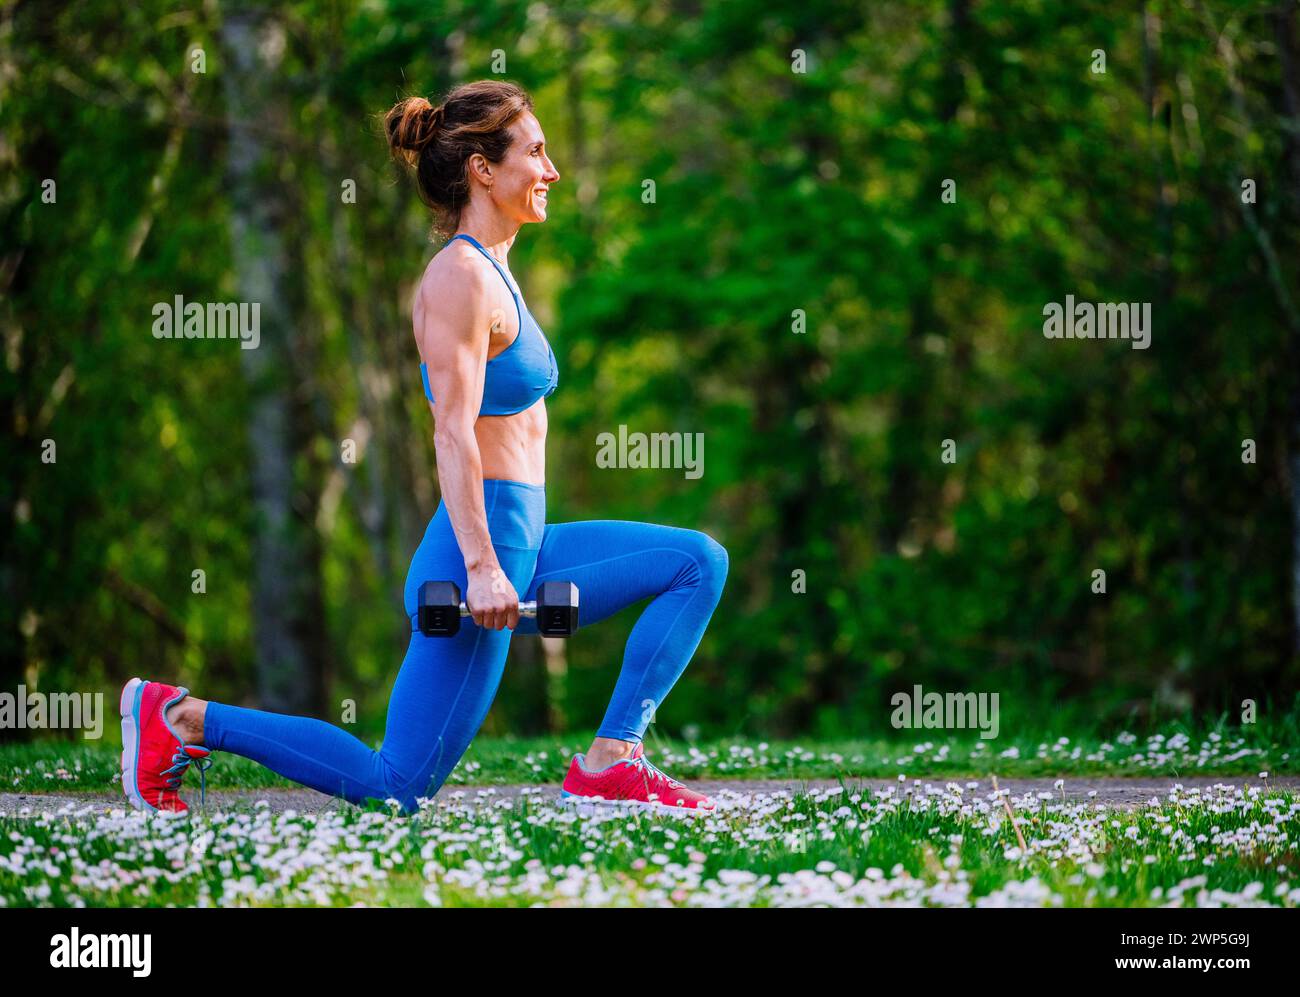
x=516, y=518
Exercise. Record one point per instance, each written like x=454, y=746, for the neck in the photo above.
x=493, y=232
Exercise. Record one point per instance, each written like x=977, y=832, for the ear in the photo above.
x=480, y=168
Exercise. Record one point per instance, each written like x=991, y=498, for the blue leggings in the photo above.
x=446, y=684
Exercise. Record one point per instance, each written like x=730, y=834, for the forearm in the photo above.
x=460, y=477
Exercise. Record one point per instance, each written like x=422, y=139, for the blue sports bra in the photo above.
x=521, y=373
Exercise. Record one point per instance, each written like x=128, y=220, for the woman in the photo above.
x=480, y=163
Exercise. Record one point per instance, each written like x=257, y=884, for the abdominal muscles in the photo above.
x=514, y=446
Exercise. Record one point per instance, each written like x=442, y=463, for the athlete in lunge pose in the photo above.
x=480, y=163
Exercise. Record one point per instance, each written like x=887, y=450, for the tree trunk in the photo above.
x=289, y=633
x=913, y=445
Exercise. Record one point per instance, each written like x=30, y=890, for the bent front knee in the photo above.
x=711, y=559
x=718, y=556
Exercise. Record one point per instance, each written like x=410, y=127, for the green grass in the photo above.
x=1175, y=749
x=949, y=847
x=909, y=844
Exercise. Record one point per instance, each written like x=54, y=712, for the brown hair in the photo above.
x=436, y=142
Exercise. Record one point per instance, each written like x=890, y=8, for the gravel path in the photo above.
x=1126, y=792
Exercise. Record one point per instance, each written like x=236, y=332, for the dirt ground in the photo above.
x=1125, y=792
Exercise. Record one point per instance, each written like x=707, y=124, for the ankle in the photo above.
x=186, y=718
x=606, y=751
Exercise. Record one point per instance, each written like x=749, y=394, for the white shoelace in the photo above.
x=649, y=766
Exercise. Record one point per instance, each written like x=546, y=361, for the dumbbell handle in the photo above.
x=554, y=607
x=525, y=609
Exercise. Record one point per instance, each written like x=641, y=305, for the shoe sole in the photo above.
x=128, y=708
x=596, y=803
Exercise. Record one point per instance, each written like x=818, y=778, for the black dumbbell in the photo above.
x=556, y=609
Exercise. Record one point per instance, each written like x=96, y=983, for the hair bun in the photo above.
x=413, y=124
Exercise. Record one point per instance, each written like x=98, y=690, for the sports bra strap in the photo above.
x=513, y=374
x=491, y=259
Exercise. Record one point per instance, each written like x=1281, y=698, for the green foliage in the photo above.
x=775, y=192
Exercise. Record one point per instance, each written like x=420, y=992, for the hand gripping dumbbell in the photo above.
x=556, y=609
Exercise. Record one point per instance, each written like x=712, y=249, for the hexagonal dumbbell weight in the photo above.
x=555, y=609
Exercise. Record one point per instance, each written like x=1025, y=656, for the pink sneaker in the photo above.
x=154, y=758
x=633, y=782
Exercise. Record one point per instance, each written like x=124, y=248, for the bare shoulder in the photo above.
x=452, y=275
x=454, y=295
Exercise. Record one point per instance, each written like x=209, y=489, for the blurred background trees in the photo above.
x=778, y=196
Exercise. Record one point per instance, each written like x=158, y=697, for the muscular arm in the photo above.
x=452, y=323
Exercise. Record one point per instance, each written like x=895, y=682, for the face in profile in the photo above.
x=521, y=182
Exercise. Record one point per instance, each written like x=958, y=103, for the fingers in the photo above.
x=481, y=615
x=496, y=616
x=505, y=615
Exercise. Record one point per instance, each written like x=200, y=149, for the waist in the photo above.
x=513, y=447
x=516, y=512
x=510, y=484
